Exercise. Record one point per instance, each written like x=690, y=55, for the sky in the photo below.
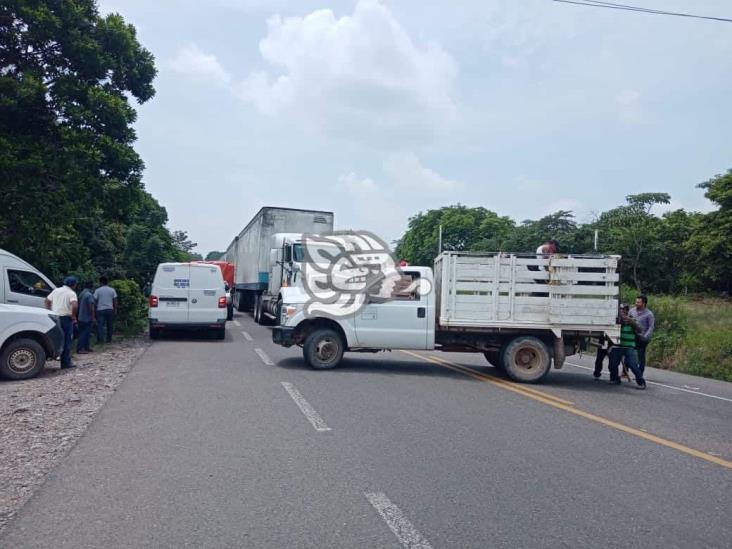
x=379, y=110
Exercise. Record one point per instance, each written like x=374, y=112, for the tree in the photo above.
x=709, y=247
x=632, y=232
x=463, y=228
x=69, y=174
x=214, y=256
x=182, y=242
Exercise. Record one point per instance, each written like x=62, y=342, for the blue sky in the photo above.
x=379, y=110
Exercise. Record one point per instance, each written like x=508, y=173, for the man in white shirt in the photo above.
x=63, y=302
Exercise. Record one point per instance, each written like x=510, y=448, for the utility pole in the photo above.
x=439, y=242
x=596, y=234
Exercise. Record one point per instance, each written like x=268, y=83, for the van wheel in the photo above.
x=526, y=359
x=154, y=333
x=22, y=359
x=220, y=333
x=323, y=349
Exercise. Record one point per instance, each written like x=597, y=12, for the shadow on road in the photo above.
x=361, y=365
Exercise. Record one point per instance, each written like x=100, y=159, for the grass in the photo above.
x=706, y=347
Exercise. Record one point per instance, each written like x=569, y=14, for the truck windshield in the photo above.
x=298, y=253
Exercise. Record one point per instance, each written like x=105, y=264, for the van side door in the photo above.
x=400, y=323
x=206, y=287
x=24, y=287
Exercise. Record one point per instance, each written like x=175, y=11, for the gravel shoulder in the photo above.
x=42, y=418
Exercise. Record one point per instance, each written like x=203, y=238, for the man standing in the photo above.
x=86, y=319
x=106, y=299
x=63, y=302
x=647, y=322
x=625, y=349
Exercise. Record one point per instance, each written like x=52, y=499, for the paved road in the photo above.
x=207, y=445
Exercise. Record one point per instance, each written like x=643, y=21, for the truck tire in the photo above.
x=240, y=301
x=526, y=359
x=22, y=359
x=494, y=358
x=323, y=349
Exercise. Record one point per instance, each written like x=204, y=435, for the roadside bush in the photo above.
x=131, y=318
x=668, y=345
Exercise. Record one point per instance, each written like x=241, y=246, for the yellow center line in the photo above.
x=495, y=380
x=552, y=401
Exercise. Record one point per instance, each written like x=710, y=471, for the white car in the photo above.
x=21, y=283
x=28, y=337
x=187, y=296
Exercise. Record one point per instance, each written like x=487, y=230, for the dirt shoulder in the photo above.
x=42, y=418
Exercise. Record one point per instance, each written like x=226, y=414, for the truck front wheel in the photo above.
x=323, y=349
x=526, y=359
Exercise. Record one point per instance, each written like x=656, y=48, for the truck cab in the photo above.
x=406, y=321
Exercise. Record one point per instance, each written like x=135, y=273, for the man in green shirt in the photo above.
x=626, y=349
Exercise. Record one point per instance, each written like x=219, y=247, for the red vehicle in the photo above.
x=227, y=270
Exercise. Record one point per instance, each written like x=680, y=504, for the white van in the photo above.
x=187, y=296
x=21, y=283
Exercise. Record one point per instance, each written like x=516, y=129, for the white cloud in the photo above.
x=194, y=63
x=406, y=172
x=360, y=75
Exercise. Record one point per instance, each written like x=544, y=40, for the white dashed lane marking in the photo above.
x=308, y=411
x=405, y=532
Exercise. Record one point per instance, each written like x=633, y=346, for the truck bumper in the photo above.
x=283, y=335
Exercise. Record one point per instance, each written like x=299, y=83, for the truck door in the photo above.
x=400, y=323
x=206, y=286
x=23, y=287
x=171, y=287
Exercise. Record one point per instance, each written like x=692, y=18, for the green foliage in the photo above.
x=72, y=183
x=215, y=256
x=132, y=314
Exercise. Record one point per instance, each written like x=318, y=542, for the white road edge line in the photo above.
x=663, y=385
x=264, y=357
x=237, y=323
x=405, y=532
x=307, y=410
x=246, y=335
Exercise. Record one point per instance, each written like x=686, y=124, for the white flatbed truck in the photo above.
x=523, y=312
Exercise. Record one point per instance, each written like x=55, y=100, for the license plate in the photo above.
x=172, y=304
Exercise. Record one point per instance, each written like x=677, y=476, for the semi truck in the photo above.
x=522, y=311
x=266, y=254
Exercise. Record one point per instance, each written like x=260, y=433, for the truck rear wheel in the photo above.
x=526, y=359
x=323, y=349
x=257, y=309
x=22, y=359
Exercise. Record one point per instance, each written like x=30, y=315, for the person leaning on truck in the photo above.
x=625, y=349
x=63, y=302
x=647, y=322
x=86, y=317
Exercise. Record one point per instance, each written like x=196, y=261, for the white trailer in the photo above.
x=522, y=312
x=258, y=271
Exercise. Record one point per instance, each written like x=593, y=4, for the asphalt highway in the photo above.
x=237, y=443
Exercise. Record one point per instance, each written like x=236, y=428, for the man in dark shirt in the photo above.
x=86, y=317
x=647, y=322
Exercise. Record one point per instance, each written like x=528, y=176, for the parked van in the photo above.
x=187, y=296
x=21, y=283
